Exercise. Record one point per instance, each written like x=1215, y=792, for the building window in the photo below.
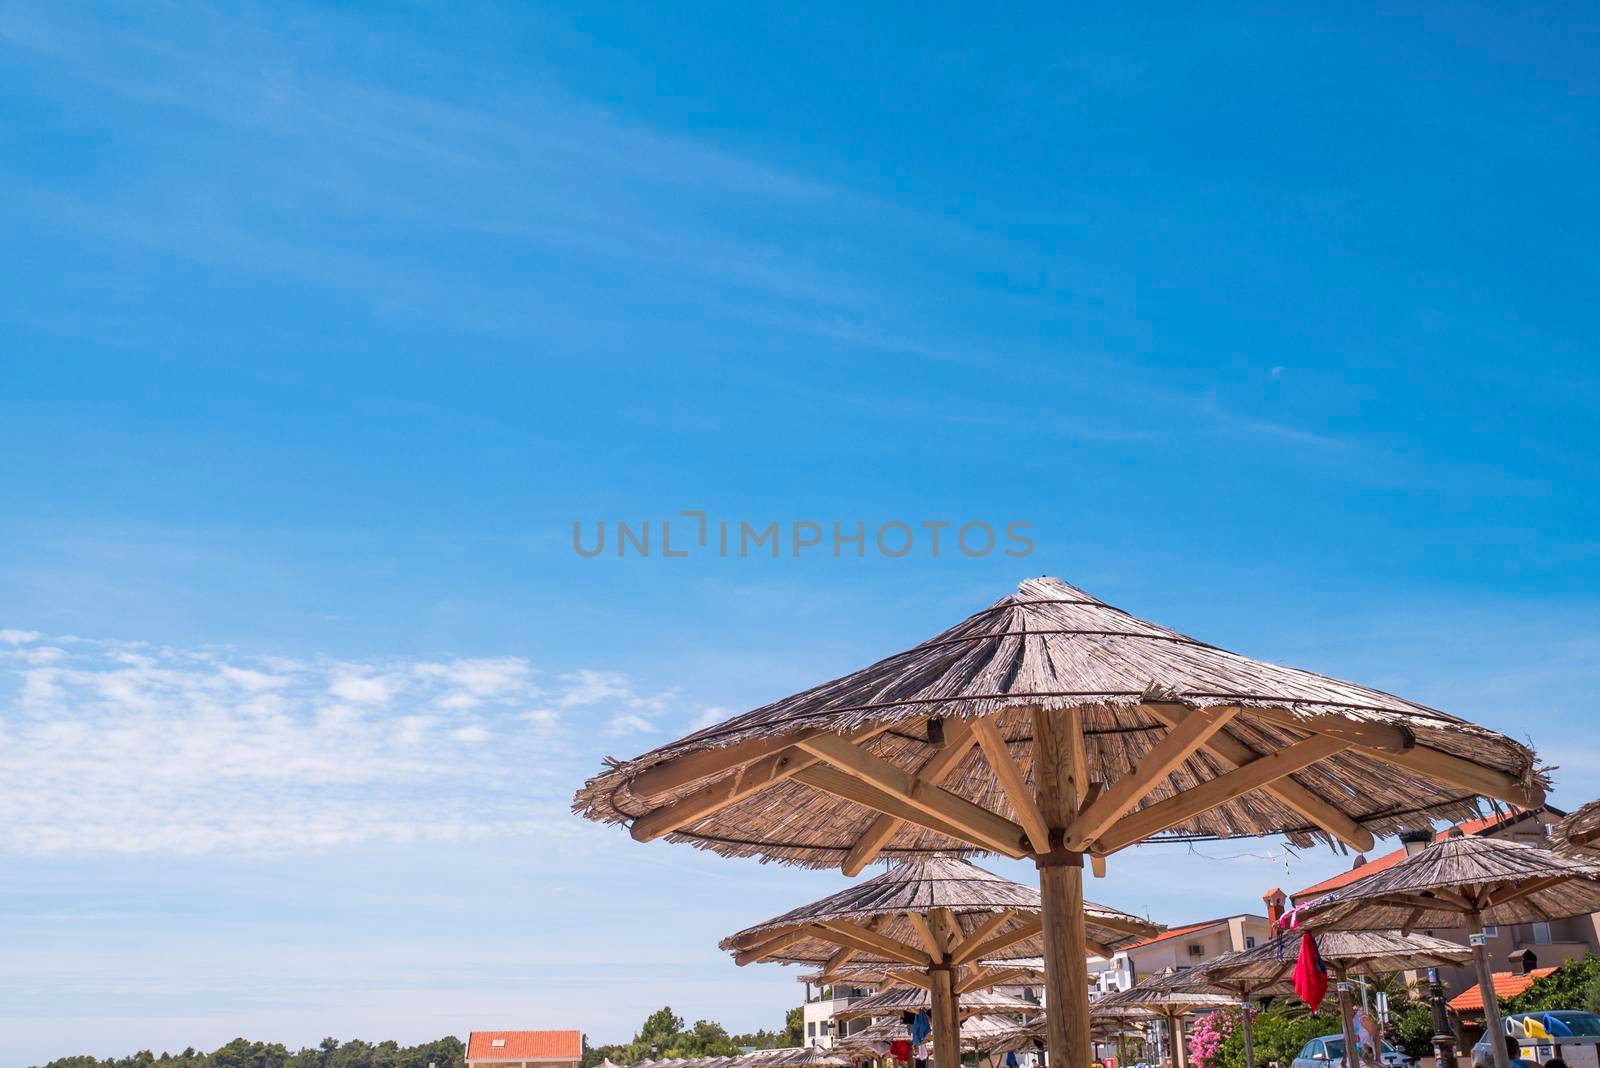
x=1541, y=934
x=811, y=1029
x=1249, y=941
x=1491, y=931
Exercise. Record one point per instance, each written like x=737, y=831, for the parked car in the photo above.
x=1583, y=1028
x=1328, y=1052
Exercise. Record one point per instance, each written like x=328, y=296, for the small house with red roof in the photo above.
x=524, y=1049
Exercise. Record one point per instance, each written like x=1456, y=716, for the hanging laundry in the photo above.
x=1310, y=974
x=1011, y=1059
x=920, y=1027
x=900, y=1050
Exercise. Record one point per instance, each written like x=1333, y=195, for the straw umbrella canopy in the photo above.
x=1578, y=834
x=928, y=921
x=1473, y=879
x=901, y=999
x=977, y=1032
x=1197, y=981
x=1049, y=726
x=1268, y=968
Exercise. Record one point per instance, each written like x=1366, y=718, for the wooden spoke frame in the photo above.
x=1057, y=821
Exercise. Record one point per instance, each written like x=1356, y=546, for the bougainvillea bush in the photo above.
x=1208, y=1035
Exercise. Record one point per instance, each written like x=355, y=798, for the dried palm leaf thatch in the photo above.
x=798, y=1057
x=1358, y=952
x=1024, y=969
x=1495, y=879
x=1578, y=834
x=894, y=903
x=744, y=787
x=916, y=999
x=1162, y=993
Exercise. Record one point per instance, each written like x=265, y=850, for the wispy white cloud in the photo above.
x=116, y=747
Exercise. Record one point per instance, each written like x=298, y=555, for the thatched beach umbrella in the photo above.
x=1195, y=981
x=1578, y=834
x=1269, y=968
x=1164, y=995
x=915, y=999
x=977, y=1032
x=927, y=921
x=1049, y=726
x=1473, y=879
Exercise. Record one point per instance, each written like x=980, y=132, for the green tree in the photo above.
x=1280, y=1032
x=794, y=1026
x=1567, y=987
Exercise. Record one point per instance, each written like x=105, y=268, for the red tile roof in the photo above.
x=1176, y=931
x=525, y=1045
x=1506, y=985
x=1389, y=860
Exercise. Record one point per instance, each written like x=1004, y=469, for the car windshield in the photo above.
x=1578, y=1023
x=1336, y=1048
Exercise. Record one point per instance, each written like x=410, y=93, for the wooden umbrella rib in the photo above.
x=1012, y=783
x=1453, y=770
x=766, y=949
x=937, y=768
x=919, y=924
x=980, y=826
x=843, y=933
x=1189, y=734
x=1224, y=746
x=836, y=782
x=967, y=948
x=917, y=979
x=1026, y=930
x=730, y=789
x=1153, y=819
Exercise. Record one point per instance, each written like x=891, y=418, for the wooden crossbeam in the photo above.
x=967, y=947
x=936, y=769
x=1410, y=923
x=1516, y=892
x=844, y=933
x=1117, y=923
x=1181, y=807
x=1164, y=757
x=1308, y=805
x=681, y=771
x=755, y=938
x=911, y=979
x=842, y=957
x=980, y=826
x=1371, y=735
x=1005, y=769
x=831, y=779
x=1077, y=753
x=987, y=978
x=1099, y=949
x=925, y=935
x=1453, y=770
x=1097, y=865
x=1021, y=933
x=730, y=789
x=1396, y=745
x=766, y=949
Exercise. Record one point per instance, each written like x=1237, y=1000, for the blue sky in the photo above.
x=324, y=324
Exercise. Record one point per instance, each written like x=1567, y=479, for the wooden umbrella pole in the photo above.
x=1494, y=1030
x=1352, y=1050
x=1249, y=1034
x=946, y=1019
x=1180, y=1050
x=1066, y=973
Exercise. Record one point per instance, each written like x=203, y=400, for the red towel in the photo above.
x=1310, y=974
x=900, y=1050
